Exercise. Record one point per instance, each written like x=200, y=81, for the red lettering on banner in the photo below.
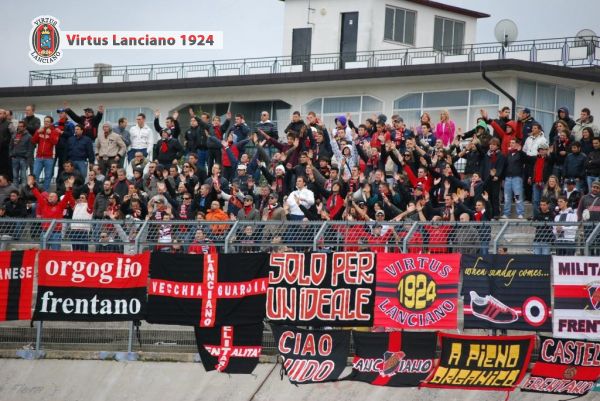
x=292, y=269
x=286, y=335
x=355, y=267
x=302, y=370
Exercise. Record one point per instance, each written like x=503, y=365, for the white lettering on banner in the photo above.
x=12, y=273
x=79, y=271
x=416, y=319
x=93, y=306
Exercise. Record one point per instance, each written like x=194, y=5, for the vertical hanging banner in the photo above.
x=481, y=362
x=16, y=284
x=564, y=367
x=230, y=349
x=207, y=290
x=322, y=289
x=311, y=356
x=498, y=292
x=576, y=297
x=84, y=286
x=416, y=291
x=395, y=359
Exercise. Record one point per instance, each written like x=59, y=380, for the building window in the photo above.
x=359, y=107
x=448, y=35
x=399, y=25
x=463, y=106
x=543, y=100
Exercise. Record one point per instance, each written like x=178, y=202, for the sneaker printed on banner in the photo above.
x=491, y=309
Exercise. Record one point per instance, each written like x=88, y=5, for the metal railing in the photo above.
x=569, y=52
x=253, y=236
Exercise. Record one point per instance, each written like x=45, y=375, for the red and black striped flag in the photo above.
x=395, y=359
x=16, y=284
x=230, y=349
x=207, y=290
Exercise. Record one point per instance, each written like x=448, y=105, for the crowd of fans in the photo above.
x=377, y=171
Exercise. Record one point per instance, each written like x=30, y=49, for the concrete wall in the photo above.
x=326, y=21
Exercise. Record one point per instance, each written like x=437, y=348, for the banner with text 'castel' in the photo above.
x=16, y=284
x=481, y=362
x=83, y=286
x=207, y=290
x=416, y=291
x=568, y=367
x=322, y=289
x=510, y=292
x=576, y=297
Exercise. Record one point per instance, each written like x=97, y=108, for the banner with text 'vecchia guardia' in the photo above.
x=16, y=284
x=395, y=359
x=322, y=289
x=568, y=367
x=481, y=362
x=312, y=356
x=207, y=290
x=416, y=291
x=576, y=297
x=82, y=286
x=510, y=292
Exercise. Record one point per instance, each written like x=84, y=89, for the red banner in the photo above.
x=16, y=284
x=416, y=291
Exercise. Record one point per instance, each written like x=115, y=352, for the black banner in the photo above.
x=507, y=292
x=230, y=349
x=481, y=362
x=565, y=367
x=311, y=356
x=207, y=290
x=322, y=289
x=395, y=359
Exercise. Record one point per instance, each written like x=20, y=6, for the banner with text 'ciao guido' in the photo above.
x=82, y=286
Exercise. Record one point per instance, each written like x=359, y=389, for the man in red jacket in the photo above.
x=46, y=139
x=52, y=208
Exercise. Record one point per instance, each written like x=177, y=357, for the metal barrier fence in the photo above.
x=132, y=237
x=569, y=51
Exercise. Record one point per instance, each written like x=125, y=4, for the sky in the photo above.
x=251, y=28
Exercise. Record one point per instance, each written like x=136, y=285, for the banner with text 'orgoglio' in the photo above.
x=82, y=286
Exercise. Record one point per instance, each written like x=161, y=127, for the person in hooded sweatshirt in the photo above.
x=561, y=114
x=567, y=234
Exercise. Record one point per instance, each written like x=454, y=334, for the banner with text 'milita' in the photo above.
x=576, y=297
x=230, y=349
x=16, y=284
x=322, y=289
x=481, y=362
x=416, y=291
x=395, y=359
x=568, y=367
x=311, y=356
x=207, y=290
x=85, y=286
x=510, y=292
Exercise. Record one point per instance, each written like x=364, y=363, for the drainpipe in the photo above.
x=505, y=93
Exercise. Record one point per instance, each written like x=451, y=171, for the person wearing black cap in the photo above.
x=67, y=130
x=525, y=122
x=88, y=120
x=571, y=193
x=248, y=211
x=167, y=150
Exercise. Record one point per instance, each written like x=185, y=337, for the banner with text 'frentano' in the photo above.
x=565, y=367
x=481, y=362
x=510, y=292
x=416, y=291
x=321, y=289
x=82, y=286
x=576, y=297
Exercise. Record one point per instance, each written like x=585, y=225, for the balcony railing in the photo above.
x=569, y=52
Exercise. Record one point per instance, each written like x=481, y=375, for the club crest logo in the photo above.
x=45, y=40
x=594, y=294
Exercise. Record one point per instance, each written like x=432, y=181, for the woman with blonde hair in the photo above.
x=552, y=191
x=445, y=129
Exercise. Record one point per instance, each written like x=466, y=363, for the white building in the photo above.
x=406, y=76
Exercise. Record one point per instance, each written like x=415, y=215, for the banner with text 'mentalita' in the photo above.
x=317, y=289
x=311, y=356
x=481, y=362
x=207, y=290
x=565, y=367
x=85, y=286
x=576, y=297
x=510, y=292
x=416, y=291
x=16, y=284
